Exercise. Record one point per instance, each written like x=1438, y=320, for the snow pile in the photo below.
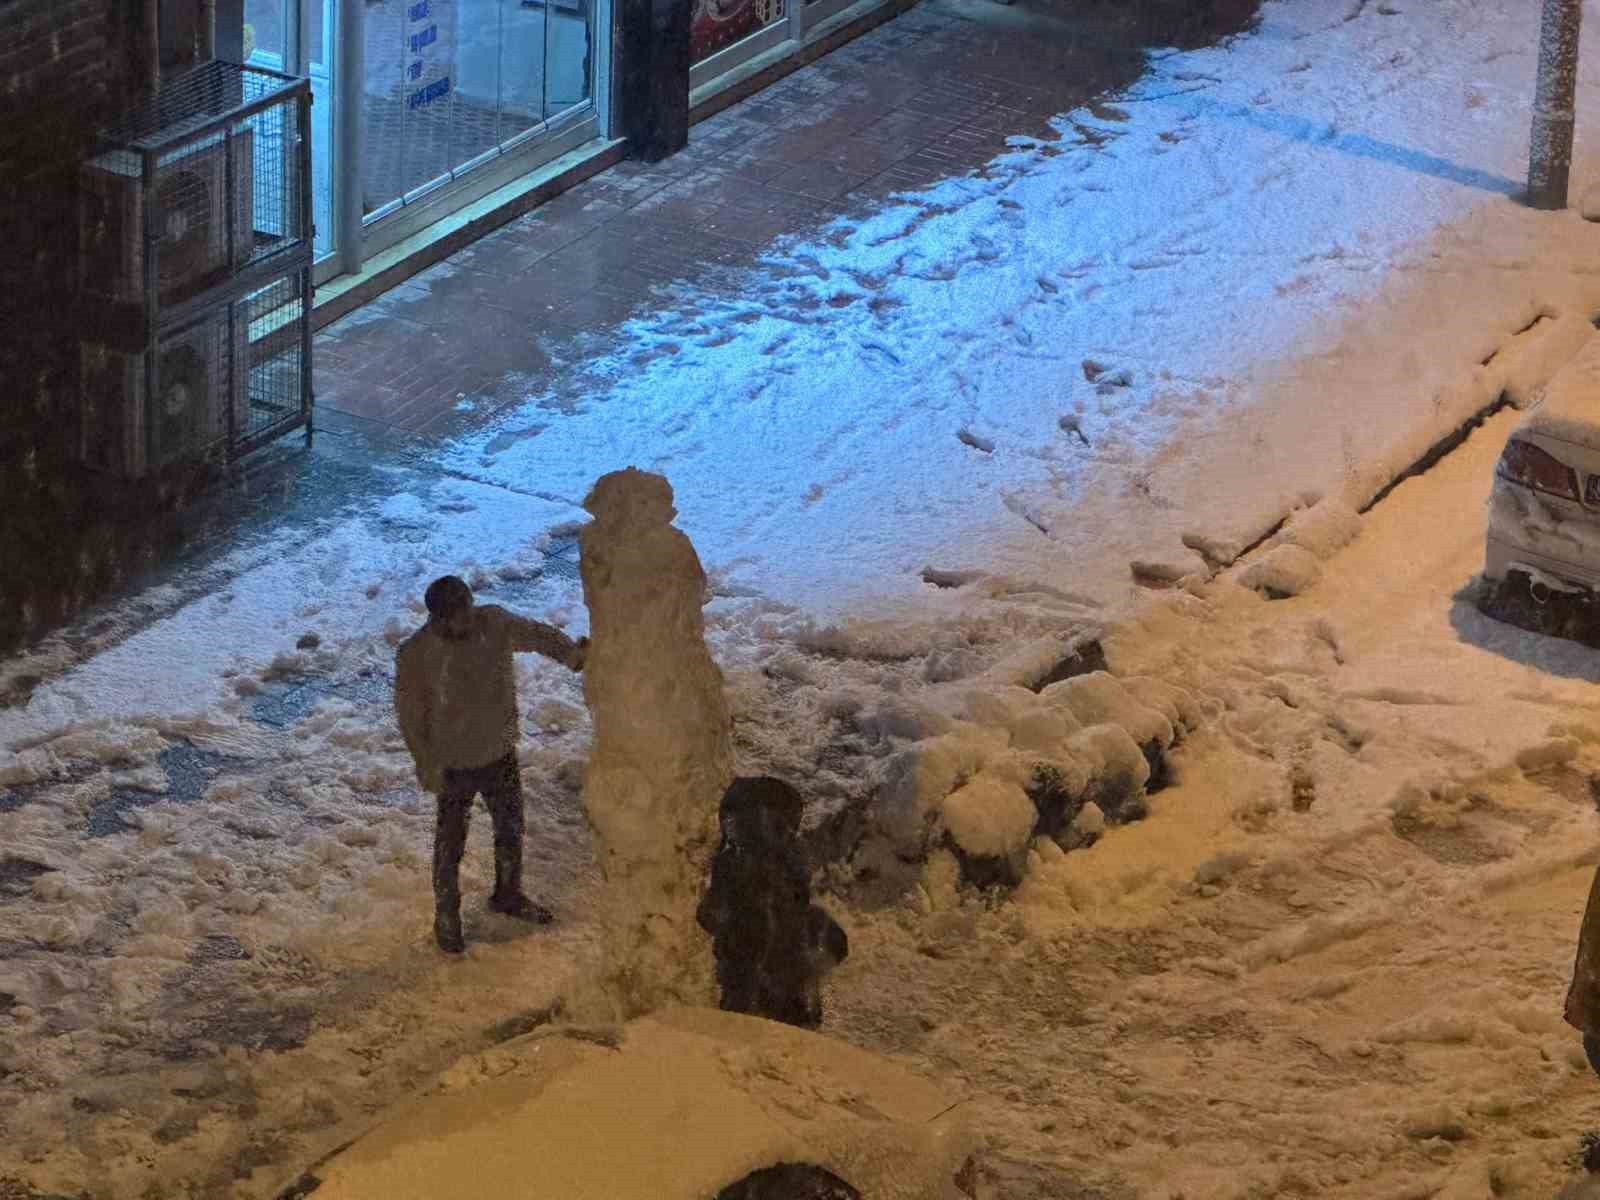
x=1282, y=571
x=663, y=752
x=1017, y=769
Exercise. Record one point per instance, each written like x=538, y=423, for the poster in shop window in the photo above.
x=429, y=54
x=718, y=24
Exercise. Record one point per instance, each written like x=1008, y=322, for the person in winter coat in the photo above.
x=772, y=945
x=455, y=699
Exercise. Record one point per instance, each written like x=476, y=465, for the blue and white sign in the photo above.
x=428, y=82
x=430, y=47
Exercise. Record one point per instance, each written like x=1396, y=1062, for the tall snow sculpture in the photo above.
x=663, y=748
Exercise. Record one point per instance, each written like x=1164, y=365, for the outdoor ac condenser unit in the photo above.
x=202, y=372
x=192, y=221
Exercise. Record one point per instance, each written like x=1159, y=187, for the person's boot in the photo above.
x=447, y=930
x=517, y=904
x=508, y=898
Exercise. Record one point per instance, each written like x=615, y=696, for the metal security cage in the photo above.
x=277, y=387
x=196, y=241
x=208, y=179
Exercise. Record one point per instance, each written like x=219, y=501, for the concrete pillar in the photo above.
x=653, y=75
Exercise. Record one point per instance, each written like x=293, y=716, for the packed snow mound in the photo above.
x=1323, y=529
x=677, y=1106
x=1115, y=759
x=1017, y=775
x=989, y=817
x=917, y=779
x=1535, y=357
x=1282, y=571
x=1099, y=698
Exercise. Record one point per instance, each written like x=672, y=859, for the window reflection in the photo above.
x=569, y=53
x=451, y=82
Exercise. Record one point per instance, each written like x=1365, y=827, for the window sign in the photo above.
x=429, y=48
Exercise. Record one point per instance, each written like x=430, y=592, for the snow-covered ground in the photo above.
x=1284, y=264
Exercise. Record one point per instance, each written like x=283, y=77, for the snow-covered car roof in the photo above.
x=675, y=1106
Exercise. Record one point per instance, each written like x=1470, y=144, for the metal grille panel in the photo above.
x=195, y=272
x=277, y=387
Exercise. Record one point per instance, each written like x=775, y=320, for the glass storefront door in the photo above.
x=453, y=84
x=299, y=37
x=437, y=91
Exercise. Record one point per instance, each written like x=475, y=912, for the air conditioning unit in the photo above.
x=202, y=373
x=192, y=220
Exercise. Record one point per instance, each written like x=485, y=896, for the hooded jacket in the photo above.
x=456, y=699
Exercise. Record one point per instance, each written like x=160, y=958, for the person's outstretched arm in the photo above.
x=528, y=636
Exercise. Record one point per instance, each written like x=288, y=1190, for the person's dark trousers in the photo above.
x=501, y=785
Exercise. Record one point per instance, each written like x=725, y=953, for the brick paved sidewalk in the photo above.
x=932, y=94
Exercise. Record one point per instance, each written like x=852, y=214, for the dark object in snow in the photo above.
x=1083, y=659
x=308, y=641
x=17, y=875
x=1069, y=424
x=1589, y=1152
x=1518, y=601
x=526, y=1022
x=1092, y=370
x=1303, y=788
x=949, y=579
x=976, y=441
x=1160, y=773
x=987, y=872
x=790, y=1181
x=1582, y=1009
x=772, y=945
x=1054, y=803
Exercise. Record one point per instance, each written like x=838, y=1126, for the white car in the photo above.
x=686, y=1104
x=1544, y=510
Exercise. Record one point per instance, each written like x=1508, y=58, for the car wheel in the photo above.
x=790, y=1181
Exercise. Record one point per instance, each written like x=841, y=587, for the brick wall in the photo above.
x=65, y=66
